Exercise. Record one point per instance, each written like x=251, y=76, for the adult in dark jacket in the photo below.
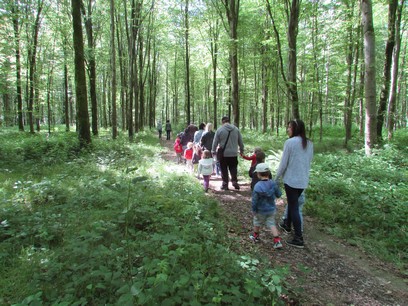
x=207, y=138
x=188, y=135
x=229, y=161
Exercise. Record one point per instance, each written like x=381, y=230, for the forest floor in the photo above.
x=328, y=271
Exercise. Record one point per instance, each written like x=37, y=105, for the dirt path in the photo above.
x=327, y=271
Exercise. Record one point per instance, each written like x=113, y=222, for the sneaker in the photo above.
x=285, y=228
x=296, y=242
x=224, y=187
x=254, y=238
x=236, y=186
x=277, y=245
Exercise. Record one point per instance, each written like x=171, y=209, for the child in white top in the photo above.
x=205, y=167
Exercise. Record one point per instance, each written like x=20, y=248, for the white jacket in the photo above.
x=205, y=166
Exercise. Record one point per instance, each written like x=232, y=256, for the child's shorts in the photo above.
x=265, y=220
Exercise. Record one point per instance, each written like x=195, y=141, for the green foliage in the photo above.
x=363, y=199
x=109, y=226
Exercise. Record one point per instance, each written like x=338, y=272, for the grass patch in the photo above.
x=112, y=225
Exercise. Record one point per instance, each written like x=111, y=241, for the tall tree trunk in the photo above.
x=187, y=53
x=232, y=10
x=265, y=89
x=91, y=66
x=15, y=12
x=370, y=82
x=80, y=77
x=290, y=80
x=215, y=33
x=32, y=57
x=119, y=35
x=349, y=60
x=113, y=65
x=389, y=47
x=394, y=74
x=66, y=97
x=292, y=56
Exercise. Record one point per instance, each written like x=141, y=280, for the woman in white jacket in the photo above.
x=294, y=168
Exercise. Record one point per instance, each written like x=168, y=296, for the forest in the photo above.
x=83, y=85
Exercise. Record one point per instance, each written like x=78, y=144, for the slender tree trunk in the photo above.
x=389, y=47
x=349, y=60
x=292, y=57
x=66, y=97
x=32, y=57
x=215, y=33
x=233, y=14
x=394, y=73
x=370, y=81
x=91, y=66
x=113, y=65
x=16, y=27
x=187, y=53
x=80, y=77
x=265, y=90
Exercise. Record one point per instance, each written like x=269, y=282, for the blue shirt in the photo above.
x=264, y=195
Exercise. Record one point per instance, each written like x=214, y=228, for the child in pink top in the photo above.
x=188, y=155
x=178, y=148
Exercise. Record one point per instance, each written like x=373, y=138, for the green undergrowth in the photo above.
x=114, y=225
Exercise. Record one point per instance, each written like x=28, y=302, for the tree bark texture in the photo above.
x=292, y=56
x=394, y=73
x=91, y=67
x=16, y=27
x=113, y=64
x=80, y=77
x=370, y=81
x=389, y=47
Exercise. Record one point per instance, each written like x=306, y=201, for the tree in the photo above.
x=16, y=26
x=113, y=63
x=370, y=81
x=32, y=58
x=385, y=89
x=232, y=12
x=394, y=73
x=187, y=54
x=92, y=64
x=292, y=32
x=80, y=77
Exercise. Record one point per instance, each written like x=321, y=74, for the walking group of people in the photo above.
x=206, y=152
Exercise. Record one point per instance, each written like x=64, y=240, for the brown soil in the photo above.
x=328, y=271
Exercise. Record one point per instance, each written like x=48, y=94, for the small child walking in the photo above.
x=260, y=158
x=205, y=168
x=263, y=205
x=178, y=148
x=188, y=156
x=197, y=152
x=252, y=157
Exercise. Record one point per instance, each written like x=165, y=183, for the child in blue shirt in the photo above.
x=263, y=204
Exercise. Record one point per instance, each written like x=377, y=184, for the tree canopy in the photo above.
x=261, y=62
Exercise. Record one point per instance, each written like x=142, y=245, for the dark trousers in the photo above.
x=229, y=164
x=293, y=194
x=168, y=134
